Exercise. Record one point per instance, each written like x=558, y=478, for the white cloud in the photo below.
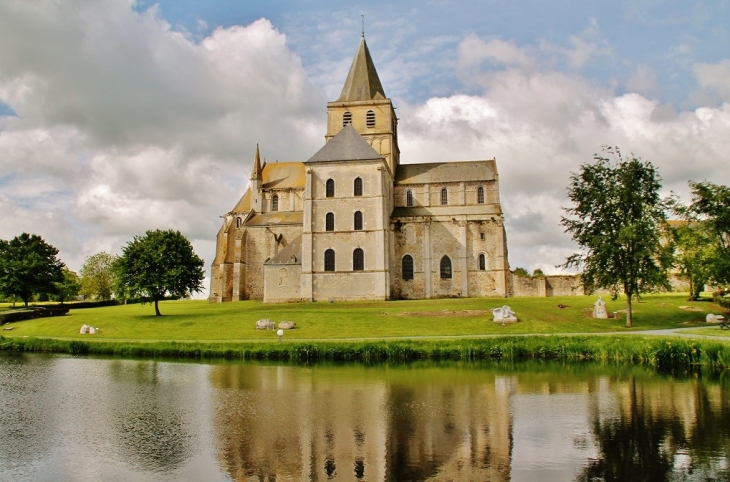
x=714, y=78
x=124, y=124
x=541, y=126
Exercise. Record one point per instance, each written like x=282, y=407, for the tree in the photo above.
x=28, y=265
x=158, y=263
x=711, y=207
x=521, y=272
x=97, y=276
x=69, y=287
x=694, y=254
x=618, y=219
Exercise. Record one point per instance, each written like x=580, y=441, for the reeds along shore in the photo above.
x=652, y=351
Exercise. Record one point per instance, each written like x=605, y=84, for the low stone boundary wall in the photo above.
x=543, y=286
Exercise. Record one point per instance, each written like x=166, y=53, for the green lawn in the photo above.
x=201, y=321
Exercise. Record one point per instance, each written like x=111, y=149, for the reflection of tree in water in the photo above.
x=156, y=440
x=151, y=433
x=643, y=443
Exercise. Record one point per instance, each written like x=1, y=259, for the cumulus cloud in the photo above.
x=541, y=125
x=714, y=79
x=124, y=124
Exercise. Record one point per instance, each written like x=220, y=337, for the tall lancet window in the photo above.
x=444, y=197
x=480, y=195
x=445, y=267
x=358, y=221
x=357, y=187
x=275, y=203
x=330, y=188
x=329, y=260
x=358, y=260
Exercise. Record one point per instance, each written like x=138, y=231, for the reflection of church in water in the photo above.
x=283, y=423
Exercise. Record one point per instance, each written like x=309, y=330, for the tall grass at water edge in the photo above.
x=651, y=351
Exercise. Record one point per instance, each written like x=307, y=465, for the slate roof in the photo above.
x=442, y=172
x=294, y=248
x=362, y=81
x=347, y=145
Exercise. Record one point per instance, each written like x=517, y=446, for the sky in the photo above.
x=119, y=116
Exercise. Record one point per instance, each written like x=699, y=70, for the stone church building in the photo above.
x=353, y=223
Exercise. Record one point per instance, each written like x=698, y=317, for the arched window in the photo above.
x=445, y=267
x=480, y=195
x=370, y=119
x=444, y=197
x=330, y=188
x=275, y=203
x=239, y=222
x=482, y=262
x=329, y=260
x=329, y=222
x=358, y=220
x=409, y=198
x=358, y=260
x=357, y=188
x=407, y=267
x=346, y=118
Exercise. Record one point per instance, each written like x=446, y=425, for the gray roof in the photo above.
x=362, y=81
x=347, y=145
x=441, y=172
x=290, y=254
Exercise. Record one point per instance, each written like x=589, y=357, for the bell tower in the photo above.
x=363, y=104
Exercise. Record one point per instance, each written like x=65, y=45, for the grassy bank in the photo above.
x=201, y=321
x=651, y=351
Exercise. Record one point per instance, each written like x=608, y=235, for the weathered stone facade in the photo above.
x=353, y=223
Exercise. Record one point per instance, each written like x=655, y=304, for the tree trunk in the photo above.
x=157, y=309
x=629, y=317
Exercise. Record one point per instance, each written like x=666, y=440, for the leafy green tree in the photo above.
x=69, y=288
x=538, y=273
x=97, y=276
x=28, y=265
x=618, y=220
x=695, y=254
x=522, y=272
x=158, y=263
x=711, y=206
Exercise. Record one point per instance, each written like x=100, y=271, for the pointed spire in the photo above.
x=362, y=81
x=256, y=173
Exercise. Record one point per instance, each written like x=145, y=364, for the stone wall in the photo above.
x=282, y=283
x=554, y=285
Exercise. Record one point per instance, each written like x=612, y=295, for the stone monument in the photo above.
x=504, y=315
x=599, y=309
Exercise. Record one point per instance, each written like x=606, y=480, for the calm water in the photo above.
x=82, y=419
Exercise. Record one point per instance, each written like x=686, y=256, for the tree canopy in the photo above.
x=158, y=263
x=711, y=208
x=28, y=266
x=97, y=276
x=69, y=287
x=618, y=220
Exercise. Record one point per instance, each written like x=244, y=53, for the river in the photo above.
x=91, y=419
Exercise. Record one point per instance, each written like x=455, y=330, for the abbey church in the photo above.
x=353, y=223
